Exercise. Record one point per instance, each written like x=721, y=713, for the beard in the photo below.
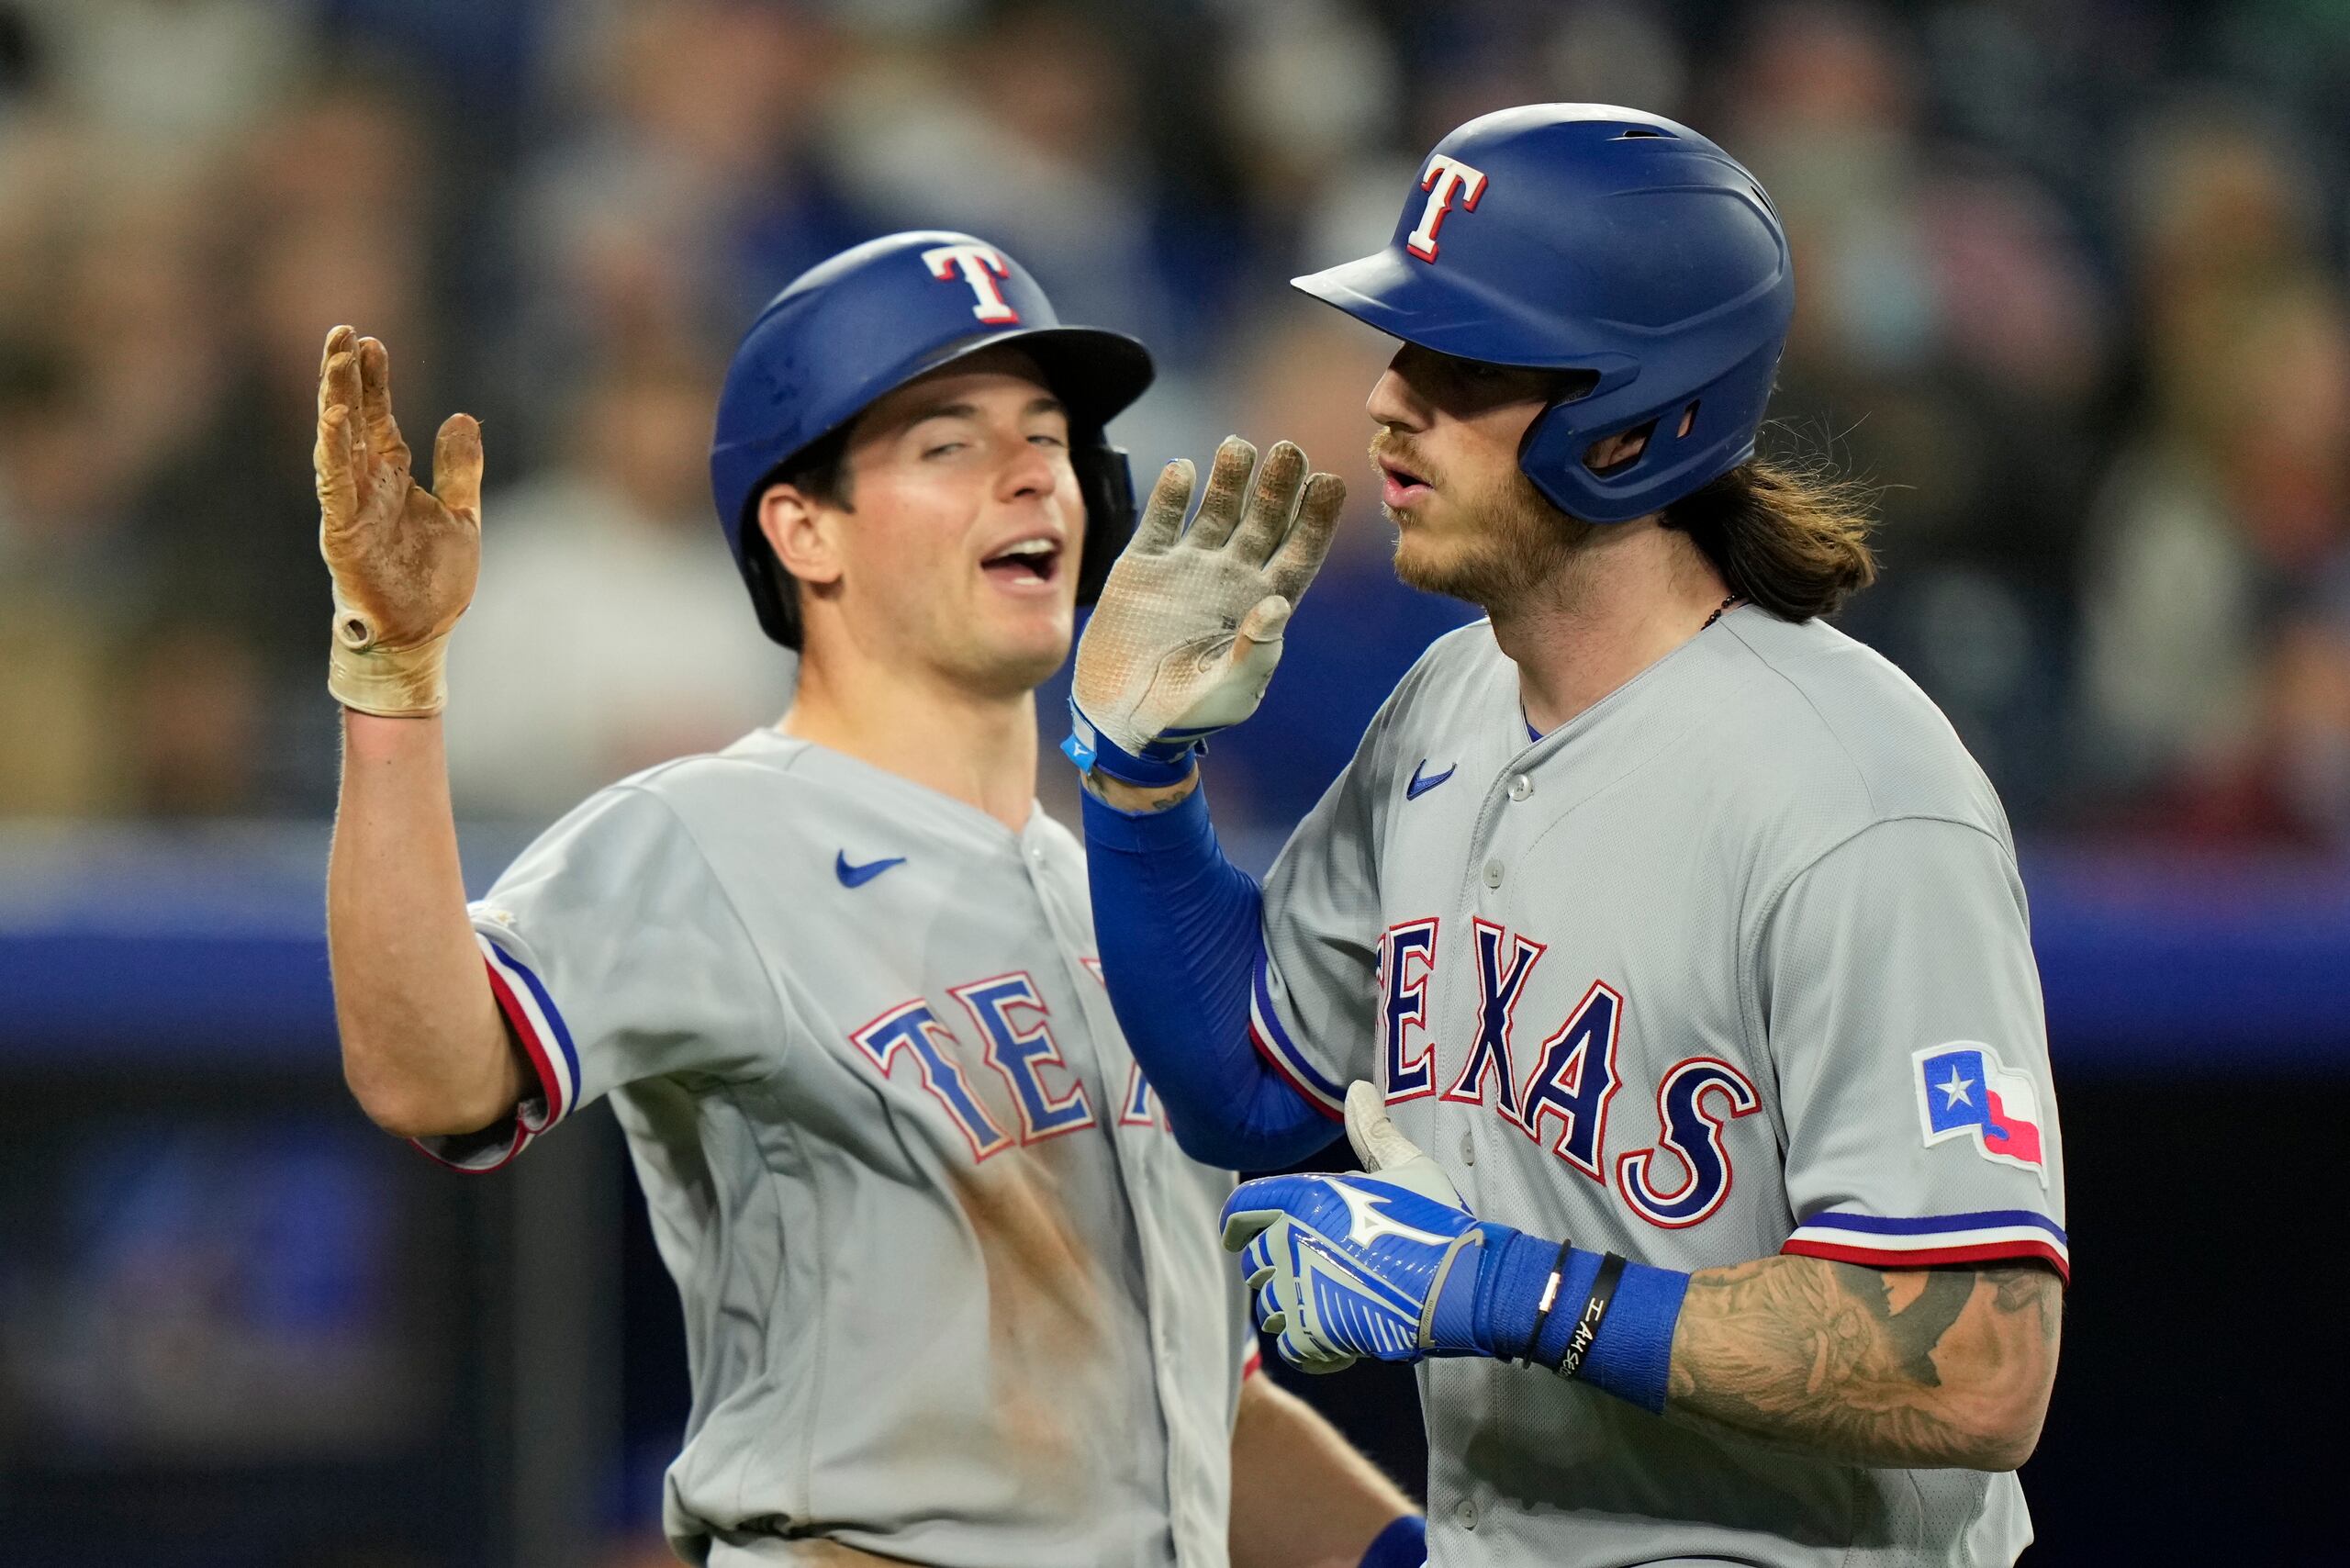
x=1508, y=545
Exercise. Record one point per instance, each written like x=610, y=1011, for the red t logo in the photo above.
x=1446, y=179
x=980, y=266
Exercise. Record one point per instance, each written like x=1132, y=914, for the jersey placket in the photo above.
x=1138, y=1183
x=1483, y=894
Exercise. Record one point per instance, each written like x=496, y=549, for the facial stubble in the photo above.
x=1515, y=545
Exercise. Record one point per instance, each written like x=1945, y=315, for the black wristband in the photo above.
x=1603, y=1291
x=1550, y=1299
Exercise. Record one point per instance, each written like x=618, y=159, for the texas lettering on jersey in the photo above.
x=1011, y=1020
x=1562, y=1097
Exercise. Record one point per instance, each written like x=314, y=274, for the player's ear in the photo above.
x=803, y=533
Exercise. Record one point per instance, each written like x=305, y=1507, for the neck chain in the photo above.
x=1716, y=615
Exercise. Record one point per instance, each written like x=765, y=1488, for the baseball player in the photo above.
x=1662, y=949
x=952, y=1293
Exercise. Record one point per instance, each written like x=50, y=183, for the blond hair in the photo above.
x=1793, y=540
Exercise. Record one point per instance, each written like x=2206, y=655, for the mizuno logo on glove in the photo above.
x=1367, y=1218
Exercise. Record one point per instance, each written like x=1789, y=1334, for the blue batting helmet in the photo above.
x=1585, y=237
x=853, y=329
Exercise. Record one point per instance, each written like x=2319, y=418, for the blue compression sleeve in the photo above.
x=1180, y=934
x=1403, y=1544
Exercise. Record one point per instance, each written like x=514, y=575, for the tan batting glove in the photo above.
x=404, y=558
x=1385, y=1152
x=1188, y=628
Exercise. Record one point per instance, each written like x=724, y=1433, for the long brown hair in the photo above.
x=1793, y=539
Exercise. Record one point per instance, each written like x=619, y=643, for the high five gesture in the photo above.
x=404, y=558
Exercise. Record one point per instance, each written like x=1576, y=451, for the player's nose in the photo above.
x=1393, y=403
x=1026, y=472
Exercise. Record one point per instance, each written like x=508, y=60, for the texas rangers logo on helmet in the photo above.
x=981, y=265
x=1447, y=178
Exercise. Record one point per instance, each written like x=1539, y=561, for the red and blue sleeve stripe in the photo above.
x=1887, y=1241
x=538, y=1025
x=1280, y=1052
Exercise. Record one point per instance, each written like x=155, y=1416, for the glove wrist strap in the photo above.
x=391, y=683
x=1454, y=1309
x=1157, y=766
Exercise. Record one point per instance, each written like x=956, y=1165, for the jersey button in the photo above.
x=1465, y=1514
x=1468, y=1149
x=1492, y=873
x=1520, y=788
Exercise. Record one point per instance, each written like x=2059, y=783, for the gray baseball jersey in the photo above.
x=952, y=1293
x=1734, y=963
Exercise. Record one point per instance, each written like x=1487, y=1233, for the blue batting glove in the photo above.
x=1382, y=1264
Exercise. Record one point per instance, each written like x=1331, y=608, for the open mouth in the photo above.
x=1026, y=562
x=1401, y=487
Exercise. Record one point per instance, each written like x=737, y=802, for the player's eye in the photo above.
x=1046, y=439
x=943, y=449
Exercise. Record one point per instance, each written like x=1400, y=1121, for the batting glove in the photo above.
x=404, y=558
x=1382, y=1264
x=1188, y=628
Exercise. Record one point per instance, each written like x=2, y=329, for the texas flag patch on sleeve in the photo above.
x=1963, y=1091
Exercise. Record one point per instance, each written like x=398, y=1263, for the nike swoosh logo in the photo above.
x=1419, y=786
x=858, y=875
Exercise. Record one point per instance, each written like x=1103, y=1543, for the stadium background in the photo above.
x=2072, y=292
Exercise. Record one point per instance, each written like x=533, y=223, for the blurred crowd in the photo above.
x=2072, y=299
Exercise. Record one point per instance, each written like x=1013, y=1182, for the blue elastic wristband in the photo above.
x=1632, y=1355
x=1515, y=1272
x=1403, y=1544
x=1156, y=767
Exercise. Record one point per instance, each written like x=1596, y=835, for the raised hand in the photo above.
x=403, y=558
x=1188, y=629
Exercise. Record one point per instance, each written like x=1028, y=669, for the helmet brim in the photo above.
x=1408, y=298
x=1095, y=373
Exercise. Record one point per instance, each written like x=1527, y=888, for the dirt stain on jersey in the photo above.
x=1046, y=1316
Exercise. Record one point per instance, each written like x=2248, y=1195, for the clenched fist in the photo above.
x=404, y=558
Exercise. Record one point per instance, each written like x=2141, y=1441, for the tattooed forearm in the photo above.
x=2029, y=1294
x=1917, y=1368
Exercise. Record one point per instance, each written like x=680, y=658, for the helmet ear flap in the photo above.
x=1692, y=438
x=1553, y=454
x=1106, y=480
x=773, y=592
